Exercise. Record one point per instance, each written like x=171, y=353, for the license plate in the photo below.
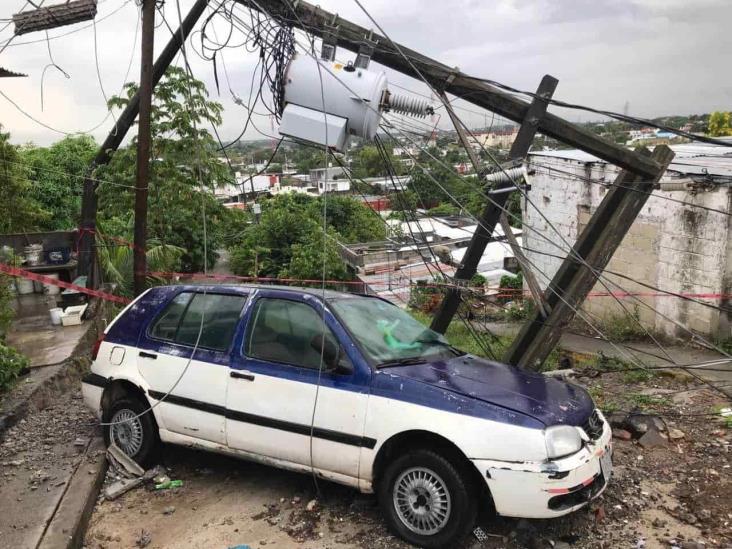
x=606, y=463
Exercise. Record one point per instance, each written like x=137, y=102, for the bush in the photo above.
x=11, y=364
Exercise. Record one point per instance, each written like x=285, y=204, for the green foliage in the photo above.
x=288, y=241
x=11, y=364
x=57, y=173
x=117, y=260
x=645, y=402
x=444, y=209
x=18, y=211
x=369, y=163
x=184, y=159
x=720, y=124
x=623, y=326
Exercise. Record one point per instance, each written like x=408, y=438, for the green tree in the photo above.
x=720, y=124
x=57, y=174
x=183, y=174
x=18, y=210
x=288, y=242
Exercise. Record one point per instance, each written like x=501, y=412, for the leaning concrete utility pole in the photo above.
x=598, y=241
x=115, y=137
x=496, y=207
x=142, y=179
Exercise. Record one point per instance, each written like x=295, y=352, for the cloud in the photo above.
x=661, y=56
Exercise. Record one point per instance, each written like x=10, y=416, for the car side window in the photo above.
x=167, y=324
x=181, y=321
x=286, y=331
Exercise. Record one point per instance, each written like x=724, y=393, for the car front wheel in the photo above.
x=426, y=500
x=131, y=426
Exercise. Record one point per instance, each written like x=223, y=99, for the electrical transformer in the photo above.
x=326, y=102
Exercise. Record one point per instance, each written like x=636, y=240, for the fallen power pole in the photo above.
x=529, y=277
x=579, y=272
x=590, y=255
x=115, y=138
x=142, y=179
x=495, y=208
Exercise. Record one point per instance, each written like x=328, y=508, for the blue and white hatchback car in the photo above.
x=354, y=389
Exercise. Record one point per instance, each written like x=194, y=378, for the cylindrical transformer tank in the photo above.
x=349, y=92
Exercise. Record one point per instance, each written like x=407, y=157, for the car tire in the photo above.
x=138, y=437
x=426, y=500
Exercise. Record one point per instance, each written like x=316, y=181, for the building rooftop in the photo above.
x=690, y=159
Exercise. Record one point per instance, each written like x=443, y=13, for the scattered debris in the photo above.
x=169, y=484
x=622, y=434
x=144, y=539
x=675, y=434
x=312, y=505
x=652, y=439
x=122, y=463
x=122, y=486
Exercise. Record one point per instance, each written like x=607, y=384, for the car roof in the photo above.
x=247, y=288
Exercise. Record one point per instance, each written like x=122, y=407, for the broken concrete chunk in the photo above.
x=312, y=505
x=652, y=439
x=169, y=510
x=622, y=434
x=116, y=489
x=675, y=434
x=123, y=463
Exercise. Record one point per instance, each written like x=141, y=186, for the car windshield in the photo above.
x=388, y=335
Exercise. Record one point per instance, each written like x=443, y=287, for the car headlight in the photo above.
x=562, y=440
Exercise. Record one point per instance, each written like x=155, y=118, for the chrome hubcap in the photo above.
x=126, y=431
x=422, y=501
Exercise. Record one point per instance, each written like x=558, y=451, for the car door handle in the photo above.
x=236, y=374
x=143, y=354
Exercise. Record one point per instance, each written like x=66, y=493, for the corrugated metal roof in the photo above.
x=691, y=158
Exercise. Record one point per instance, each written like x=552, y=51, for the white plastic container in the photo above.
x=33, y=254
x=51, y=289
x=56, y=313
x=24, y=286
x=72, y=315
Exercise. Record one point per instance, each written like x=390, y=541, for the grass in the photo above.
x=647, y=401
x=461, y=337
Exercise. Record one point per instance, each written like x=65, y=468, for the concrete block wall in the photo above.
x=672, y=246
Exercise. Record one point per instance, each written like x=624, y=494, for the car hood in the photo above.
x=543, y=398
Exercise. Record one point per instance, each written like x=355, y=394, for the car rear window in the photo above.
x=180, y=322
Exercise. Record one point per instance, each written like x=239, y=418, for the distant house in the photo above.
x=331, y=179
x=501, y=139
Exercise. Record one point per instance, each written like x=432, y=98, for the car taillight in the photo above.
x=95, y=349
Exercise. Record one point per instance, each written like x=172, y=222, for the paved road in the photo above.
x=643, y=353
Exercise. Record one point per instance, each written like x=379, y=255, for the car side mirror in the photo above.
x=332, y=354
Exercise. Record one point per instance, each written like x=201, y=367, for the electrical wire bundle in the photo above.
x=273, y=41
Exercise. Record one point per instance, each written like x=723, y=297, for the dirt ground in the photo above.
x=676, y=495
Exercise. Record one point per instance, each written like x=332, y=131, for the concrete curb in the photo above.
x=70, y=520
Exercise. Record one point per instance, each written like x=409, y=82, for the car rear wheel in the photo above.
x=426, y=500
x=131, y=426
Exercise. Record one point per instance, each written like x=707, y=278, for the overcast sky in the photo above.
x=660, y=56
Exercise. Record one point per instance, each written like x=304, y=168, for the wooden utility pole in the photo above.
x=590, y=255
x=142, y=179
x=531, y=281
x=115, y=138
x=492, y=212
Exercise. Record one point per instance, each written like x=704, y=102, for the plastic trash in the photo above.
x=169, y=484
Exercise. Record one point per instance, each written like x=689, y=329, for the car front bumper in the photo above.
x=550, y=489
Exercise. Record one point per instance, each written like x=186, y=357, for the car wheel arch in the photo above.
x=411, y=440
x=121, y=388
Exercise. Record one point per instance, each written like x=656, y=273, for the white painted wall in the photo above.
x=672, y=246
